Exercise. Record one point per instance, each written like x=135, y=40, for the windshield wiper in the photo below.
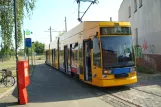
x=127, y=64
x=108, y=50
x=120, y=65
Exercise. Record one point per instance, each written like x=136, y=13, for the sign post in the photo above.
x=27, y=34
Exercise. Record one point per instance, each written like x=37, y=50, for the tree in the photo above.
x=21, y=52
x=7, y=21
x=38, y=47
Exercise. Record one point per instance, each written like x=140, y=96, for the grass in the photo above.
x=145, y=70
x=11, y=64
x=8, y=64
x=40, y=57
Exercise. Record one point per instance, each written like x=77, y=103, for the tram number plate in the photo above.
x=121, y=75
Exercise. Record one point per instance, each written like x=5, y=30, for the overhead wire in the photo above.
x=70, y=16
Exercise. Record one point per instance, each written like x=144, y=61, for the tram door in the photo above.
x=66, y=58
x=87, y=61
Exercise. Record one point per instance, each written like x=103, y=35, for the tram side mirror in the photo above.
x=90, y=44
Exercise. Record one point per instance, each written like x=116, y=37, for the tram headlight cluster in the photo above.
x=133, y=69
x=107, y=72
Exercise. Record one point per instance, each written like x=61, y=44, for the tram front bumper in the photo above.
x=117, y=82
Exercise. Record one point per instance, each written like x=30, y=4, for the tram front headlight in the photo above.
x=107, y=72
x=133, y=70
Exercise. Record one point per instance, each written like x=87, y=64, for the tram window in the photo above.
x=75, y=51
x=81, y=58
x=74, y=55
x=62, y=58
x=96, y=52
x=46, y=56
x=70, y=54
x=54, y=55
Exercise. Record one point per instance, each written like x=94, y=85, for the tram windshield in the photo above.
x=117, y=51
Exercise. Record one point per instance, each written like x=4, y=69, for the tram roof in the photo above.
x=88, y=25
x=52, y=45
x=82, y=27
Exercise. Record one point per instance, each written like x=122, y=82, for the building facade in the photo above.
x=145, y=18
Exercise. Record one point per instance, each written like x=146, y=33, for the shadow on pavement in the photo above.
x=9, y=104
x=50, y=85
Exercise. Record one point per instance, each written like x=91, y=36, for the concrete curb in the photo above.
x=8, y=91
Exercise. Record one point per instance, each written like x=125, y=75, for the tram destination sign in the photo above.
x=115, y=30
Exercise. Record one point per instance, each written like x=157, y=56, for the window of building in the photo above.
x=136, y=35
x=135, y=6
x=129, y=11
x=96, y=52
x=140, y=3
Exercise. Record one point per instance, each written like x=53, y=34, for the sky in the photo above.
x=53, y=12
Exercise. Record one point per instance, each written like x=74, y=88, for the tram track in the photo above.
x=121, y=101
x=117, y=101
x=145, y=92
x=122, y=97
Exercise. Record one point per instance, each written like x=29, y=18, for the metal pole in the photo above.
x=50, y=35
x=79, y=11
x=86, y=11
x=111, y=19
x=31, y=56
x=28, y=56
x=34, y=60
x=24, y=46
x=16, y=44
x=65, y=24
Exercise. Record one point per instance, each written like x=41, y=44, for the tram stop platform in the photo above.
x=51, y=88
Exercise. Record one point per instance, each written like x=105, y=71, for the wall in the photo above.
x=147, y=19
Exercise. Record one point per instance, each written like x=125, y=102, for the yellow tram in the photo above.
x=100, y=53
